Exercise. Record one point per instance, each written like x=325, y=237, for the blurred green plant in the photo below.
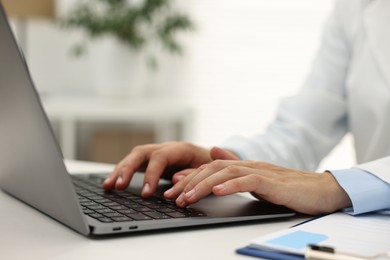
x=136, y=23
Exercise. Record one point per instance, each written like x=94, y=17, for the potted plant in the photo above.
x=139, y=25
x=134, y=23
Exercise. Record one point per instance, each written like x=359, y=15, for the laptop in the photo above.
x=32, y=170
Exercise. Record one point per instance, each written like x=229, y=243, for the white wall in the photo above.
x=244, y=56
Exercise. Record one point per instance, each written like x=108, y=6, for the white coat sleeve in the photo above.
x=310, y=124
x=380, y=168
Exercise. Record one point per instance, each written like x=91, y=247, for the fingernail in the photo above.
x=118, y=182
x=177, y=178
x=190, y=193
x=219, y=187
x=146, y=189
x=180, y=200
x=106, y=180
x=180, y=177
x=168, y=193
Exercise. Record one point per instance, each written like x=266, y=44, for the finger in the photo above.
x=173, y=154
x=205, y=171
x=190, y=181
x=160, y=160
x=156, y=166
x=205, y=187
x=248, y=183
x=110, y=180
x=123, y=172
x=177, y=189
x=181, y=175
x=202, y=173
x=210, y=169
x=217, y=153
x=260, y=186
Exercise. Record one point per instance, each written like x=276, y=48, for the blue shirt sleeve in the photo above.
x=366, y=191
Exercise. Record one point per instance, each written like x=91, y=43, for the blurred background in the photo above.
x=235, y=60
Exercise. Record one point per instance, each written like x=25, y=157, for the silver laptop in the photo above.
x=32, y=170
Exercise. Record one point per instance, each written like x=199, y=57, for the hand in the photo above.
x=216, y=153
x=305, y=192
x=171, y=160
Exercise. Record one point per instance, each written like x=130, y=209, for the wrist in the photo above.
x=335, y=196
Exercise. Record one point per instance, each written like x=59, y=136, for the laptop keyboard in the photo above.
x=123, y=206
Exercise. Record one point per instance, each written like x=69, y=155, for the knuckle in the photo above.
x=191, y=184
x=202, y=167
x=236, y=186
x=246, y=184
x=156, y=154
x=159, y=156
x=207, y=183
x=231, y=169
x=216, y=164
x=261, y=164
x=116, y=169
x=186, y=145
x=254, y=178
x=124, y=170
x=138, y=147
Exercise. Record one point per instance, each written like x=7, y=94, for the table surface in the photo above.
x=26, y=233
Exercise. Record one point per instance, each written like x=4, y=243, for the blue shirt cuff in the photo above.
x=366, y=191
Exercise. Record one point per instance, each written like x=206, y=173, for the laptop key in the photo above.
x=139, y=216
x=113, y=214
x=122, y=219
x=176, y=215
x=88, y=211
x=119, y=207
x=111, y=203
x=156, y=215
x=89, y=203
x=103, y=211
x=143, y=209
x=95, y=215
x=165, y=210
x=127, y=211
x=97, y=207
x=105, y=220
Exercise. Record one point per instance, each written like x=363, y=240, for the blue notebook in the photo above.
x=273, y=255
x=331, y=231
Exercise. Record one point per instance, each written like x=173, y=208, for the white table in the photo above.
x=28, y=234
x=163, y=115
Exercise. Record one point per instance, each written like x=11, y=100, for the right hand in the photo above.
x=171, y=160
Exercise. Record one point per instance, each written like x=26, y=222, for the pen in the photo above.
x=315, y=252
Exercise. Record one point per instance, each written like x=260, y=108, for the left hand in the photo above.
x=305, y=192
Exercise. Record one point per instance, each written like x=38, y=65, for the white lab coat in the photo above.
x=348, y=90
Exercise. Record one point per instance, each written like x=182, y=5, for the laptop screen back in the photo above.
x=31, y=165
